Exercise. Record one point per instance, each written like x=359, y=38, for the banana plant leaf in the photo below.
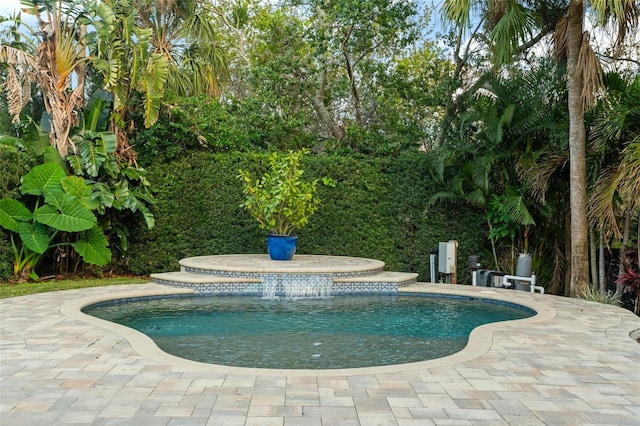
x=148, y=216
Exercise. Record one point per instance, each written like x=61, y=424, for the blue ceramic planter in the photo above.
x=281, y=247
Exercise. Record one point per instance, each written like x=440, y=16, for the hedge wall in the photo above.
x=377, y=210
x=13, y=165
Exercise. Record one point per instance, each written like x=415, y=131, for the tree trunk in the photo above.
x=316, y=97
x=623, y=249
x=567, y=254
x=593, y=259
x=601, y=270
x=325, y=117
x=577, y=161
x=352, y=79
x=493, y=245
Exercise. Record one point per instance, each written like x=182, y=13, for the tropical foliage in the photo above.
x=523, y=117
x=63, y=204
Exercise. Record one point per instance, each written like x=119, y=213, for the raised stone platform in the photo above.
x=250, y=274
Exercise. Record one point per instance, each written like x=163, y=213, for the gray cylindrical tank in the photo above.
x=523, y=269
x=474, y=262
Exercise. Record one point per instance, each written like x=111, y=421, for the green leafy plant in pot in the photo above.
x=281, y=201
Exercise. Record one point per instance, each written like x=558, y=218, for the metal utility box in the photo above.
x=447, y=253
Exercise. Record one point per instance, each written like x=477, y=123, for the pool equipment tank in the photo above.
x=447, y=255
x=524, y=279
x=523, y=269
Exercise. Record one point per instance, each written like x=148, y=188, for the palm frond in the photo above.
x=481, y=170
x=17, y=57
x=602, y=201
x=444, y=196
x=629, y=188
x=589, y=67
x=624, y=13
x=537, y=176
x=517, y=211
x=608, y=125
x=457, y=11
x=514, y=28
x=476, y=198
x=198, y=27
x=560, y=39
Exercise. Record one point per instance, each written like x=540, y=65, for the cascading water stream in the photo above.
x=296, y=286
x=313, y=290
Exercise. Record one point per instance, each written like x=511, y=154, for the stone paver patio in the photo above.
x=575, y=363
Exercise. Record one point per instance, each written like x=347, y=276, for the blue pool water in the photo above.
x=338, y=332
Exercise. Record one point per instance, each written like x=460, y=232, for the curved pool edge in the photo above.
x=480, y=339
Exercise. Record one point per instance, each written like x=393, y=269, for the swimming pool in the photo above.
x=329, y=333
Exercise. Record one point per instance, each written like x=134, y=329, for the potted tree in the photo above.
x=281, y=201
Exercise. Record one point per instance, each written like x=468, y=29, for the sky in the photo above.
x=603, y=38
x=9, y=6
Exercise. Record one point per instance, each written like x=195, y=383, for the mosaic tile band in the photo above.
x=257, y=289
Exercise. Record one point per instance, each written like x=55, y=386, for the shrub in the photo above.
x=201, y=124
x=376, y=210
x=14, y=164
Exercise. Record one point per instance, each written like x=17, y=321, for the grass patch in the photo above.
x=22, y=289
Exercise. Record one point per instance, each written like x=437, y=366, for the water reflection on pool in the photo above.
x=330, y=333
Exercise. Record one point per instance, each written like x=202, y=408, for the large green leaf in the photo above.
x=33, y=138
x=65, y=213
x=44, y=177
x=91, y=158
x=34, y=236
x=106, y=143
x=76, y=187
x=94, y=248
x=12, y=213
x=51, y=155
x=76, y=163
x=103, y=196
x=149, y=219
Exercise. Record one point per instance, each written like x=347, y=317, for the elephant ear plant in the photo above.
x=280, y=200
x=63, y=204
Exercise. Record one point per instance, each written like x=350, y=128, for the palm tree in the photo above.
x=184, y=34
x=616, y=137
x=511, y=26
x=136, y=51
x=156, y=46
x=53, y=57
x=471, y=185
x=511, y=121
x=616, y=129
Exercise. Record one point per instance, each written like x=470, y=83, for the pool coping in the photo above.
x=578, y=367
x=480, y=339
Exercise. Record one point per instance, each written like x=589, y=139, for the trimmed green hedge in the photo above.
x=377, y=210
